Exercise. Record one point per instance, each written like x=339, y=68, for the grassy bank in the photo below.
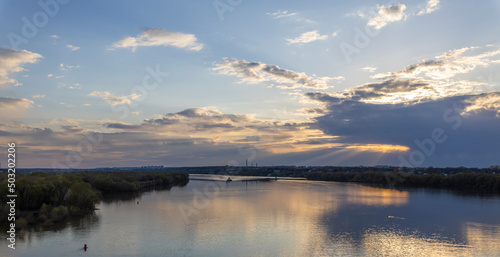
x=467, y=182
x=47, y=198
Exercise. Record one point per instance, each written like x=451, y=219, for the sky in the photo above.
x=87, y=84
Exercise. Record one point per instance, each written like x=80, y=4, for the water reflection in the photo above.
x=479, y=236
x=316, y=219
x=404, y=243
x=481, y=240
x=381, y=197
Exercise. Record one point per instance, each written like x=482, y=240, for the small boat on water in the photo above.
x=229, y=179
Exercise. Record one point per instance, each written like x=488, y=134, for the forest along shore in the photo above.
x=48, y=198
x=479, y=183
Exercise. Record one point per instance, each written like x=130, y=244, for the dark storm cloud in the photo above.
x=470, y=123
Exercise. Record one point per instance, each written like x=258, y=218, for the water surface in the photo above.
x=277, y=218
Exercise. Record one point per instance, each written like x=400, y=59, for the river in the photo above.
x=276, y=218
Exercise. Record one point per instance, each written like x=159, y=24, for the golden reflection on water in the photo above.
x=484, y=238
x=287, y=216
x=481, y=240
x=399, y=243
x=381, y=197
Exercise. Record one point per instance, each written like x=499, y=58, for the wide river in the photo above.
x=276, y=218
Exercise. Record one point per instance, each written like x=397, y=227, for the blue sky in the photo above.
x=281, y=82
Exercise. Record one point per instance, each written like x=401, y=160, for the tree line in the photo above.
x=481, y=183
x=46, y=198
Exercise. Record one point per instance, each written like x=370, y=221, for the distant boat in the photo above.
x=229, y=179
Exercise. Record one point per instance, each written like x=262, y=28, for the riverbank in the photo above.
x=48, y=198
x=467, y=182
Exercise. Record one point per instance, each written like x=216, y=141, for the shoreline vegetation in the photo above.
x=478, y=183
x=49, y=198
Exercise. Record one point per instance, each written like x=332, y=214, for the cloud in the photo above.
x=71, y=129
x=432, y=5
x=114, y=100
x=407, y=106
x=446, y=65
x=428, y=79
x=195, y=136
x=209, y=126
x=121, y=125
x=382, y=15
x=282, y=14
x=289, y=16
x=201, y=118
x=72, y=47
x=256, y=72
x=75, y=86
x=39, y=96
x=65, y=67
x=467, y=121
x=14, y=103
x=484, y=102
x=408, y=91
x=386, y=15
x=369, y=69
x=307, y=37
x=160, y=37
x=346, y=132
x=11, y=61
